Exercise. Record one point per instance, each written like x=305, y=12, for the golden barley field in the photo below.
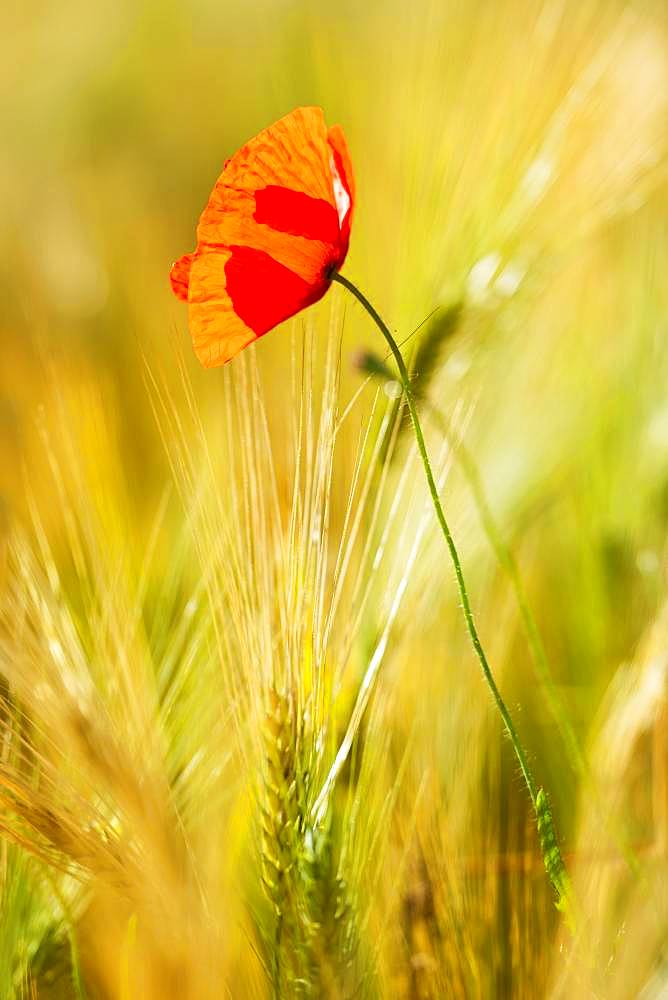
x=247, y=749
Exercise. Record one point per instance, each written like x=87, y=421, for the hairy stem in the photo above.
x=537, y=795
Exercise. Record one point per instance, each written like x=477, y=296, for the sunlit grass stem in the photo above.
x=520, y=753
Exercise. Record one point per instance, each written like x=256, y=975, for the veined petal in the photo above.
x=179, y=276
x=343, y=179
x=218, y=333
x=238, y=294
x=299, y=214
x=265, y=292
x=292, y=155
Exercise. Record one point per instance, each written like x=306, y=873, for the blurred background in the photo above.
x=510, y=163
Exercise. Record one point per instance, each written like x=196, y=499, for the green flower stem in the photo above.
x=553, y=861
x=552, y=857
x=447, y=534
x=508, y=563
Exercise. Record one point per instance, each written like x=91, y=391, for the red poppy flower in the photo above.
x=276, y=228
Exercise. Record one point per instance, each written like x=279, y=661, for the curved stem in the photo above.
x=450, y=542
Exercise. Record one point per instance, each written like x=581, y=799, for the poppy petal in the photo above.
x=179, y=276
x=264, y=292
x=299, y=214
x=344, y=181
x=337, y=141
x=239, y=294
x=293, y=154
x=217, y=332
